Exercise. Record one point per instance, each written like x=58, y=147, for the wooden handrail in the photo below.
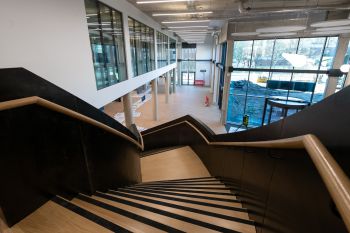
x=336, y=181
x=58, y=108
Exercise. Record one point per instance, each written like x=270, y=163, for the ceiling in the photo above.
x=242, y=15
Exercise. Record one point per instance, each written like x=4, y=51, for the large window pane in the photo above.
x=106, y=38
x=283, y=46
x=302, y=87
x=172, y=51
x=262, y=54
x=329, y=53
x=142, y=47
x=242, y=52
x=237, y=97
x=312, y=49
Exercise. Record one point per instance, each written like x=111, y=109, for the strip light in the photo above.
x=187, y=21
x=159, y=1
x=188, y=27
x=183, y=13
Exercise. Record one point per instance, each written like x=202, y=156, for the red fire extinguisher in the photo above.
x=206, y=101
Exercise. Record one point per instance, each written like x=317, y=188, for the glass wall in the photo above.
x=301, y=63
x=188, y=65
x=162, y=50
x=172, y=50
x=142, y=47
x=107, y=43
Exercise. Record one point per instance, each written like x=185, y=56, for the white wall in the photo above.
x=203, y=53
x=51, y=39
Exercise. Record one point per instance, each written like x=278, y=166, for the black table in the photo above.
x=285, y=104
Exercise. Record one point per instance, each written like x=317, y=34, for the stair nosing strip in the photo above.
x=189, y=209
x=169, y=214
x=182, y=187
x=90, y=216
x=188, y=191
x=128, y=214
x=184, y=200
x=188, y=195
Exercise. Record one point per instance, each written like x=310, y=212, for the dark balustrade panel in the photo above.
x=45, y=153
x=20, y=83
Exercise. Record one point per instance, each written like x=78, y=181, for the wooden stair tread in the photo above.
x=237, y=226
x=239, y=214
x=175, y=223
x=128, y=223
x=54, y=218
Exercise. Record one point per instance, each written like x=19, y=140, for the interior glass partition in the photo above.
x=287, y=69
x=188, y=64
x=162, y=50
x=172, y=50
x=142, y=47
x=107, y=43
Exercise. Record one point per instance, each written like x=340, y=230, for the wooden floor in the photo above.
x=186, y=100
x=180, y=163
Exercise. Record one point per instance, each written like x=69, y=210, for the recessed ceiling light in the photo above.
x=332, y=23
x=182, y=13
x=334, y=28
x=186, y=21
x=245, y=33
x=282, y=34
x=281, y=29
x=159, y=1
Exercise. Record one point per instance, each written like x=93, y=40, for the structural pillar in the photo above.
x=216, y=75
x=227, y=82
x=155, y=99
x=338, y=61
x=174, y=80
x=127, y=104
x=167, y=88
x=212, y=68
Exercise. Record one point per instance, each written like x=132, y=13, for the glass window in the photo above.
x=283, y=46
x=172, y=51
x=312, y=49
x=162, y=49
x=142, y=47
x=262, y=54
x=107, y=46
x=329, y=53
x=242, y=53
x=249, y=89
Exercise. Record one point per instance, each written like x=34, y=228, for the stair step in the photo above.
x=206, y=219
x=205, y=186
x=228, y=198
x=127, y=219
x=153, y=207
x=224, y=195
x=193, y=207
x=190, y=198
x=194, y=184
x=198, y=179
x=59, y=216
x=172, y=220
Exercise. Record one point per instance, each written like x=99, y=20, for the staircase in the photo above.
x=186, y=205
